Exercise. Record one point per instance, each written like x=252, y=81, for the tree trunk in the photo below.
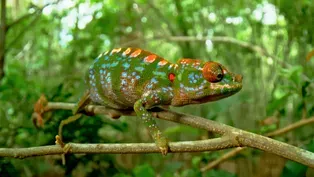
x=2, y=37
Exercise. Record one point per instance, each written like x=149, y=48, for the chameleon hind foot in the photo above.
x=59, y=141
x=66, y=148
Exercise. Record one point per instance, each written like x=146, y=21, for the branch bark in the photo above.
x=231, y=137
x=123, y=148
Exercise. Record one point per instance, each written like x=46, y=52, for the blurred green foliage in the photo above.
x=49, y=52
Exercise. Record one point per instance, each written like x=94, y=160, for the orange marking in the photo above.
x=162, y=62
x=115, y=51
x=136, y=53
x=196, y=63
x=150, y=58
x=185, y=60
x=127, y=51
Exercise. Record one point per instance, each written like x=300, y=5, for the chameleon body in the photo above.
x=125, y=78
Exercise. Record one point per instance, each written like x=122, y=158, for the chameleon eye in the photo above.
x=212, y=72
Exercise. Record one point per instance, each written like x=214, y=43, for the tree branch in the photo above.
x=231, y=137
x=123, y=148
x=25, y=29
x=162, y=17
x=278, y=132
x=223, y=39
x=223, y=158
x=291, y=127
x=37, y=14
x=17, y=21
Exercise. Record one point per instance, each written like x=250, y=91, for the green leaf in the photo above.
x=277, y=103
x=171, y=168
x=196, y=161
x=219, y=173
x=190, y=172
x=144, y=171
x=122, y=175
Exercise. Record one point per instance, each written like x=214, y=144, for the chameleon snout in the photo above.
x=237, y=78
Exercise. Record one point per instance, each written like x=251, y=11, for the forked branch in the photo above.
x=231, y=137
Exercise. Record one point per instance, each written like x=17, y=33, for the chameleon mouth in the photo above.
x=220, y=92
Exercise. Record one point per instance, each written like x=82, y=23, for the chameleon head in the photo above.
x=220, y=82
x=200, y=82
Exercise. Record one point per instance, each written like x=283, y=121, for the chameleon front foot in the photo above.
x=162, y=144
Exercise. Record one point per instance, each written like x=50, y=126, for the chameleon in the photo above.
x=125, y=78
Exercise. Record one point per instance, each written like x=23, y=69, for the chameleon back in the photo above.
x=119, y=77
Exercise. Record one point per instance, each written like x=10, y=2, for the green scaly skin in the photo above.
x=125, y=78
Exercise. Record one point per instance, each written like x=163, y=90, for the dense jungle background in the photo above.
x=46, y=47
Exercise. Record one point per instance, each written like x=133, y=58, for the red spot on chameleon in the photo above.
x=171, y=77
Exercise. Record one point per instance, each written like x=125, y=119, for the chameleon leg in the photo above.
x=149, y=100
x=67, y=121
x=84, y=100
x=59, y=136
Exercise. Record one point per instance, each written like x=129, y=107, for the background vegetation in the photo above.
x=49, y=45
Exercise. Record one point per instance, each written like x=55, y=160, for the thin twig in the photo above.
x=24, y=30
x=222, y=158
x=223, y=39
x=291, y=127
x=17, y=21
